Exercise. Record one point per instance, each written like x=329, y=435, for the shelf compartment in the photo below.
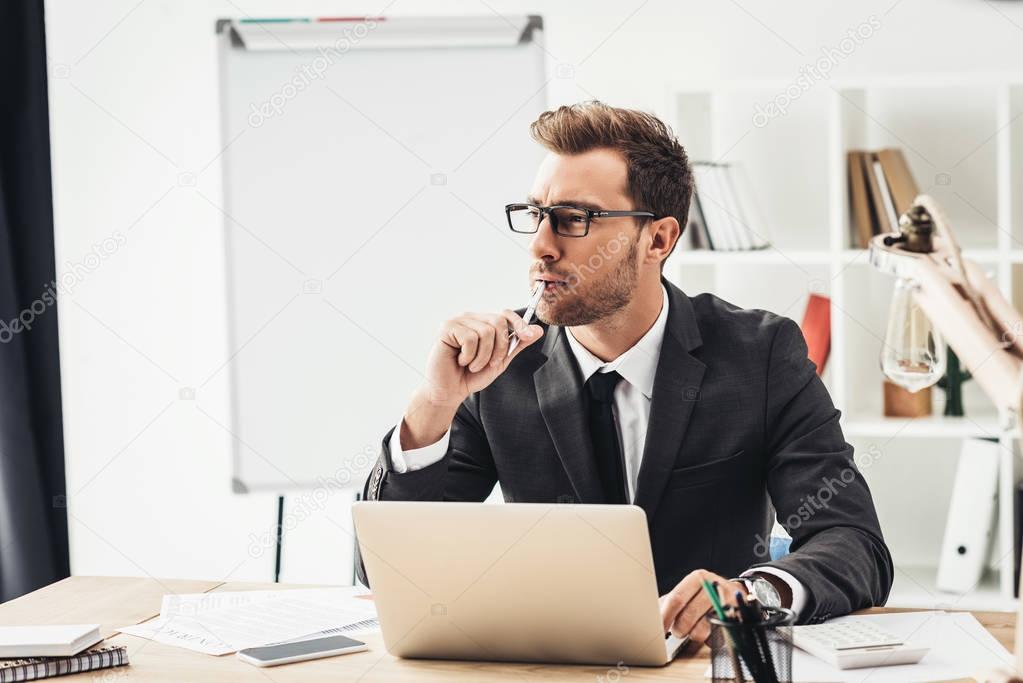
x=722, y=125
x=949, y=136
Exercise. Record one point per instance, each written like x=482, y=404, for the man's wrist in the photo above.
x=425, y=422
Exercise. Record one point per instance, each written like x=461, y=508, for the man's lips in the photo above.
x=551, y=283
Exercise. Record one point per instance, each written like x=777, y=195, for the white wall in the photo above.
x=135, y=145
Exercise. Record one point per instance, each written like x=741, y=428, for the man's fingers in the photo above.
x=691, y=616
x=484, y=339
x=501, y=324
x=674, y=602
x=684, y=608
x=514, y=320
x=505, y=323
x=671, y=604
x=466, y=339
x=516, y=327
x=691, y=613
x=529, y=335
x=727, y=594
x=700, y=632
x=484, y=351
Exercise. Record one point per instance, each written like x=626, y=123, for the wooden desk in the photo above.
x=120, y=601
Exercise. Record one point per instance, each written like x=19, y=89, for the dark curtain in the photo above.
x=33, y=514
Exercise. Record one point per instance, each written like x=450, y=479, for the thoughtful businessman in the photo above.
x=709, y=417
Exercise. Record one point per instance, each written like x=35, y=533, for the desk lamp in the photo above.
x=939, y=296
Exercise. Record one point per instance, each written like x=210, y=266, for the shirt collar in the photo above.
x=638, y=364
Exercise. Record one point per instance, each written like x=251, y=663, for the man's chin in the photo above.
x=564, y=316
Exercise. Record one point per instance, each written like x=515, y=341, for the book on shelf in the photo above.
x=901, y=184
x=722, y=214
x=35, y=668
x=859, y=200
x=816, y=327
x=878, y=214
x=696, y=227
x=880, y=189
x=886, y=203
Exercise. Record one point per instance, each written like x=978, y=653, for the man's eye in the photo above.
x=533, y=212
x=578, y=218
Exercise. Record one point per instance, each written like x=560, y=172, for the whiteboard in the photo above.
x=365, y=177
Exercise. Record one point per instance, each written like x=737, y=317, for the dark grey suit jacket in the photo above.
x=739, y=421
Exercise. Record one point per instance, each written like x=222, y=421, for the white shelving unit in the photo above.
x=962, y=136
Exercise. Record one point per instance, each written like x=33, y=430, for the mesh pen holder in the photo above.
x=775, y=633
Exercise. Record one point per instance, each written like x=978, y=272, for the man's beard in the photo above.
x=586, y=299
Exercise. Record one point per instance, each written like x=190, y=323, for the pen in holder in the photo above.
x=759, y=651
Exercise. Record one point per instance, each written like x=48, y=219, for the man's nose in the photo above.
x=544, y=245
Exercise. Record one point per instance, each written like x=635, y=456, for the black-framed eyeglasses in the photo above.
x=568, y=221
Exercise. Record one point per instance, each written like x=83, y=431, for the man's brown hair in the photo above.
x=659, y=178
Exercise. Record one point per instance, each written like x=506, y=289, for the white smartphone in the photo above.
x=286, y=653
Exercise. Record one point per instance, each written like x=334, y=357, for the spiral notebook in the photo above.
x=35, y=668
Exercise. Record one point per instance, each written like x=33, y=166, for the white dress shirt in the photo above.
x=637, y=366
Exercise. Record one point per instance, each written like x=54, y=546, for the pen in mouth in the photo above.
x=527, y=315
x=551, y=283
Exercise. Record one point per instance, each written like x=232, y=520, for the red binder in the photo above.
x=816, y=328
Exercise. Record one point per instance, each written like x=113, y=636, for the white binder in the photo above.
x=971, y=516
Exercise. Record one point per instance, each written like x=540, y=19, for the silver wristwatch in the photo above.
x=761, y=589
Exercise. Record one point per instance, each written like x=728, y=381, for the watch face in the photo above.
x=765, y=593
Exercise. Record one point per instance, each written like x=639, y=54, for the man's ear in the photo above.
x=664, y=233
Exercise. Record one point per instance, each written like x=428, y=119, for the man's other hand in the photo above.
x=683, y=608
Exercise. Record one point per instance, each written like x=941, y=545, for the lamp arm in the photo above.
x=994, y=361
x=943, y=229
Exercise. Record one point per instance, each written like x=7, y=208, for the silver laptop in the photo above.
x=517, y=582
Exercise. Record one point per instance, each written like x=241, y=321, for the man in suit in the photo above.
x=709, y=417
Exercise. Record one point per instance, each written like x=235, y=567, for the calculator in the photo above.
x=855, y=643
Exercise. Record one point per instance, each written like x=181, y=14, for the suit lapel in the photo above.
x=676, y=392
x=559, y=391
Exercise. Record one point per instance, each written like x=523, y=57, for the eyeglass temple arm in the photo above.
x=614, y=214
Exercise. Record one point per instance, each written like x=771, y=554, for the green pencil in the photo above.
x=714, y=600
x=733, y=648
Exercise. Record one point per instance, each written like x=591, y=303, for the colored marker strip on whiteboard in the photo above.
x=307, y=20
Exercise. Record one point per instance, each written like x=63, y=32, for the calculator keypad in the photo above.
x=848, y=636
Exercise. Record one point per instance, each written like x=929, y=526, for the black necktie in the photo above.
x=604, y=436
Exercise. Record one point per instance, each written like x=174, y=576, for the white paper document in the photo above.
x=959, y=648
x=223, y=622
x=179, y=631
